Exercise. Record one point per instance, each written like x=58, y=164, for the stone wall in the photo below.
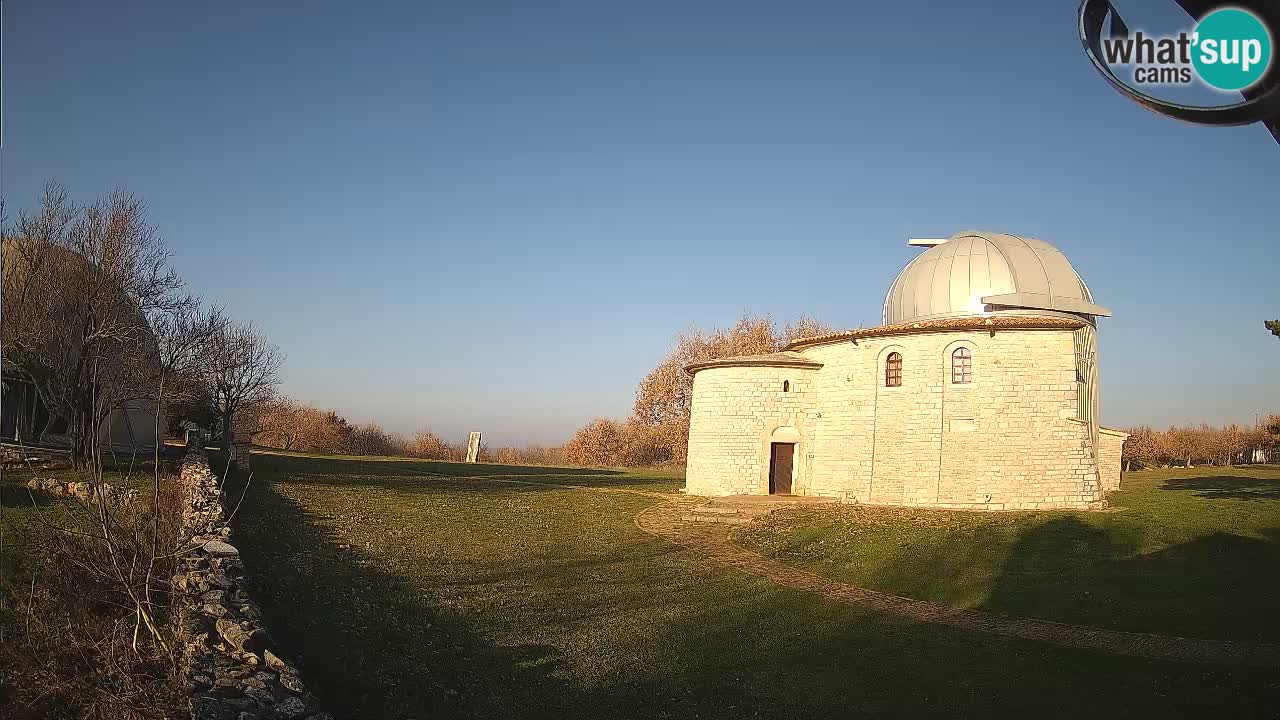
x=735, y=413
x=231, y=671
x=21, y=457
x=1110, y=452
x=1007, y=440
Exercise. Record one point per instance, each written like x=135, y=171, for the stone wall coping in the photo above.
x=779, y=359
x=977, y=322
x=1113, y=432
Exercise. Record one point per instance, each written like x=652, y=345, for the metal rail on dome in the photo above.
x=1046, y=302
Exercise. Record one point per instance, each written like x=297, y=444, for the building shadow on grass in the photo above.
x=368, y=644
x=1234, y=487
x=316, y=464
x=1218, y=586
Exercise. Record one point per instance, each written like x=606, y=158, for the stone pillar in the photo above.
x=240, y=454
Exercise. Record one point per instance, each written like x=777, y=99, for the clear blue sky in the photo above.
x=494, y=216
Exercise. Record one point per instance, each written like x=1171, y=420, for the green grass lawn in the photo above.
x=1191, y=552
x=413, y=590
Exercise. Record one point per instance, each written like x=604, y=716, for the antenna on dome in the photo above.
x=925, y=242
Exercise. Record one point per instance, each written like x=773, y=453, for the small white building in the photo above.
x=979, y=391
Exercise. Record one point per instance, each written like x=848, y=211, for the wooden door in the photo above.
x=781, y=456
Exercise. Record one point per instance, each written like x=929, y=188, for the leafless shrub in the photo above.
x=287, y=424
x=429, y=446
x=239, y=371
x=1190, y=445
x=371, y=439
x=608, y=443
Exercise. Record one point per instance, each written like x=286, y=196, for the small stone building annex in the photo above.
x=979, y=391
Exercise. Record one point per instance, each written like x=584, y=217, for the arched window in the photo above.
x=961, y=366
x=893, y=370
x=786, y=386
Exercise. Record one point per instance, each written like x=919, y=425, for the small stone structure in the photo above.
x=980, y=391
x=232, y=674
x=240, y=454
x=473, y=447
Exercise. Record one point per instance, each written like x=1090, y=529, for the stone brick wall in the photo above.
x=1007, y=440
x=231, y=671
x=735, y=412
x=1110, y=452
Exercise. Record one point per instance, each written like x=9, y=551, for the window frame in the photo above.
x=893, y=370
x=962, y=366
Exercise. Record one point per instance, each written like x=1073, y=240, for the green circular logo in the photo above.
x=1232, y=49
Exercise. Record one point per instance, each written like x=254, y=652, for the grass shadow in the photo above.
x=1215, y=586
x=1234, y=487
x=21, y=497
x=368, y=643
x=398, y=473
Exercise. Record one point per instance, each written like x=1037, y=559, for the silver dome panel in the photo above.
x=981, y=273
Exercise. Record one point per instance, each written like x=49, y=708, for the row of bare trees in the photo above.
x=97, y=320
x=1190, y=445
x=288, y=424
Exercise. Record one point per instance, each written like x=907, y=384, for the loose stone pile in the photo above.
x=232, y=674
x=82, y=490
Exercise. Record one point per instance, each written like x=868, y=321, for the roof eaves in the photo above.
x=1011, y=322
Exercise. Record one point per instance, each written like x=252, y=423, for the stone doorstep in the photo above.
x=711, y=510
x=721, y=519
x=742, y=509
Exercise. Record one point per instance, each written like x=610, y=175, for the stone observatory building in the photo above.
x=979, y=391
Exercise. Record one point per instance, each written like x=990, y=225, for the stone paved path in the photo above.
x=713, y=540
x=664, y=520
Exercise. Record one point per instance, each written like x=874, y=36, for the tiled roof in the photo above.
x=778, y=359
x=992, y=323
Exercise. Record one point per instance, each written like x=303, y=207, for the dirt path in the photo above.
x=713, y=540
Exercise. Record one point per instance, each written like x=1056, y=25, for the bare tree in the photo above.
x=184, y=331
x=240, y=370
x=665, y=395
x=79, y=284
x=290, y=425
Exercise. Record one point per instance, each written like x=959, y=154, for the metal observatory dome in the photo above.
x=983, y=273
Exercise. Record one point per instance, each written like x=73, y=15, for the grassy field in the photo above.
x=415, y=589
x=1189, y=552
